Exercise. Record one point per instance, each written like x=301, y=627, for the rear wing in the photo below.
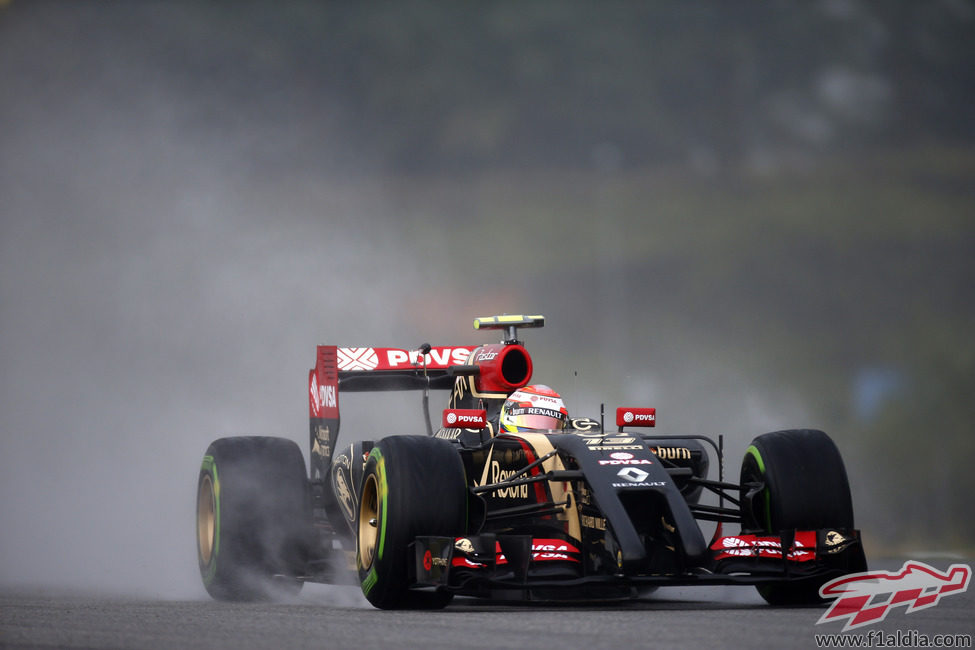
x=368, y=369
x=474, y=373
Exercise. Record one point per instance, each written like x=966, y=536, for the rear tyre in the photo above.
x=411, y=485
x=805, y=487
x=253, y=521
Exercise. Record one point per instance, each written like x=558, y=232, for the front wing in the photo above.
x=489, y=564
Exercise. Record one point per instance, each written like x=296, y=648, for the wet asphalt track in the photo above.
x=337, y=617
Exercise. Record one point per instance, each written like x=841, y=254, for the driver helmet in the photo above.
x=533, y=408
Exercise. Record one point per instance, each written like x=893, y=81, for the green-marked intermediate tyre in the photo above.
x=253, y=520
x=411, y=486
x=805, y=488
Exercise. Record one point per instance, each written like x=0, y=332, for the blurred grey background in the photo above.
x=751, y=215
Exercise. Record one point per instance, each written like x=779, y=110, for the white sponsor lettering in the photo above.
x=641, y=484
x=549, y=547
x=634, y=461
x=437, y=357
x=756, y=546
x=313, y=389
x=327, y=396
x=396, y=357
x=322, y=396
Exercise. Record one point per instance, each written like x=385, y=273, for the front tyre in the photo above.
x=805, y=488
x=411, y=486
x=253, y=521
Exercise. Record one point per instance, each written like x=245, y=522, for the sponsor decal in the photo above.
x=545, y=550
x=636, y=478
x=641, y=484
x=357, y=359
x=437, y=358
x=636, y=417
x=600, y=440
x=621, y=456
x=465, y=418
x=616, y=448
x=835, y=542
x=367, y=359
x=803, y=548
x=588, y=521
x=634, y=461
x=583, y=495
x=342, y=492
x=316, y=407
x=866, y=598
x=513, y=492
x=430, y=560
x=672, y=453
x=321, y=445
x=322, y=397
x=583, y=424
x=535, y=410
x=632, y=474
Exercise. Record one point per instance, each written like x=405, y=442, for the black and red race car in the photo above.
x=578, y=512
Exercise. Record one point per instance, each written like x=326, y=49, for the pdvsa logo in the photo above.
x=625, y=458
x=322, y=397
x=465, y=418
x=637, y=417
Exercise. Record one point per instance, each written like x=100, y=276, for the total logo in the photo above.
x=625, y=458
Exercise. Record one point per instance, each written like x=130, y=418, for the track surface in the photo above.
x=338, y=617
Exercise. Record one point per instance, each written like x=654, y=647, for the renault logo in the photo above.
x=632, y=474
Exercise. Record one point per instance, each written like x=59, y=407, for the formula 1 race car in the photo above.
x=510, y=498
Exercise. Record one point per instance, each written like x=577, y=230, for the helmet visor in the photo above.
x=534, y=418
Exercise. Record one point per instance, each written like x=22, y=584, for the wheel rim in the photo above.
x=368, y=522
x=206, y=508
